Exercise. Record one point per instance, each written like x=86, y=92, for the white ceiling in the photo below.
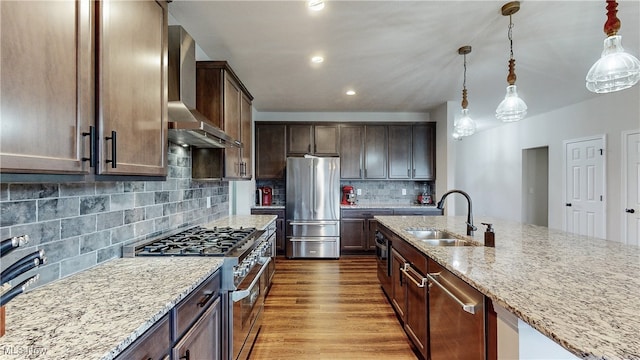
x=401, y=56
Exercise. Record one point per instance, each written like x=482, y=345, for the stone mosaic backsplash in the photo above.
x=384, y=192
x=373, y=191
x=82, y=224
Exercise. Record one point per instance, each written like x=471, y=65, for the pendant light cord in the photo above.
x=510, y=34
x=464, y=82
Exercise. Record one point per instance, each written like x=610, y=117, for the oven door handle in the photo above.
x=241, y=294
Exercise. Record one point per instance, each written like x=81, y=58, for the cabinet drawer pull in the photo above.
x=113, y=138
x=205, y=299
x=92, y=146
x=407, y=270
x=468, y=307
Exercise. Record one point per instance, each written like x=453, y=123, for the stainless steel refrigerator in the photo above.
x=313, y=207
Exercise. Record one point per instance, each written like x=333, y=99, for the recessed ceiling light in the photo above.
x=315, y=5
x=317, y=59
x=350, y=92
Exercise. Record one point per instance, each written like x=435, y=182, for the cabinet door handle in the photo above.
x=113, y=162
x=92, y=146
x=408, y=269
x=309, y=148
x=187, y=355
x=468, y=307
x=630, y=211
x=414, y=172
x=408, y=172
x=567, y=204
x=315, y=148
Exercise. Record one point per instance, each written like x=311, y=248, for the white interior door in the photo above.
x=631, y=187
x=585, y=187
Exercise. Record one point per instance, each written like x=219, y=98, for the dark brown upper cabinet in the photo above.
x=271, y=156
x=89, y=106
x=351, y=151
x=320, y=140
x=375, y=152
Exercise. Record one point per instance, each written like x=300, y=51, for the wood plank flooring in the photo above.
x=329, y=309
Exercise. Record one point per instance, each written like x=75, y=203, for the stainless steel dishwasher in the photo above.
x=456, y=317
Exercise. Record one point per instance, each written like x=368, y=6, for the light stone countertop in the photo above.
x=97, y=313
x=259, y=222
x=584, y=293
x=386, y=206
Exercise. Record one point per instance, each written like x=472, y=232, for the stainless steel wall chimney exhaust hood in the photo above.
x=186, y=125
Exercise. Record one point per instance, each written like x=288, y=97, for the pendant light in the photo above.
x=465, y=126
x=616, y=69
x=512, y=108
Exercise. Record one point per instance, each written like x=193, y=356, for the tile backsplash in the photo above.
x=373, y=191
x=385, y=192
x=82, y=224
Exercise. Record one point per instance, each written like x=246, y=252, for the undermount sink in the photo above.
x=429, y=233
x=433, y=237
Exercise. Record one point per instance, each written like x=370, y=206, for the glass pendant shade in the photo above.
x=615, y=70
x=465, y=126
x=512, y=108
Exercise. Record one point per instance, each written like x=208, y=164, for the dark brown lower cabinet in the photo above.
x=153, y=344
x=280, y=225
x=443, y=316
x=202, y=341
x=358, y=230
x=398, y=284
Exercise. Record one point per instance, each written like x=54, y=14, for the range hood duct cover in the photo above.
x=186, y=124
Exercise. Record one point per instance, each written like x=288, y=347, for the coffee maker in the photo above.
x=348, y=195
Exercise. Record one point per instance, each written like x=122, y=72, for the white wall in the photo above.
x=443, y=115
x=489, y=164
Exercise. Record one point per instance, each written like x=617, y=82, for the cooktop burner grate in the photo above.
x=198, y=241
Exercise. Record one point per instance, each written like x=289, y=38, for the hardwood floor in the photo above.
x=329, y=309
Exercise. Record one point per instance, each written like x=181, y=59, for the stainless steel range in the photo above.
x=247, y=272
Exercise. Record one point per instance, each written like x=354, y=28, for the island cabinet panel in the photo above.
x=400, y=152
x=351, y=151
x=375, y=152
x=132, y=95
x=398, y=284
x=271, y=153
x=47, y=86
x=223, y=99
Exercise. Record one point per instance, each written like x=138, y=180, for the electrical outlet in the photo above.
x=208, y=202
x=359, y=192
x=404, y=191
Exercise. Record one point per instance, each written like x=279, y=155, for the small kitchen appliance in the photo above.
x=267, y=196
x=348, y=195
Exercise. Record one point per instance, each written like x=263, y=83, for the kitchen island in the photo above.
x=583, y=293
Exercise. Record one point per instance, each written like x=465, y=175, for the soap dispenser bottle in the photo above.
x=489, y=236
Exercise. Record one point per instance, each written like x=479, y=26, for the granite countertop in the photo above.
x=259, y=222
x=266, y=207
x=97, y=313
x=584, y=293
x=386, y=206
